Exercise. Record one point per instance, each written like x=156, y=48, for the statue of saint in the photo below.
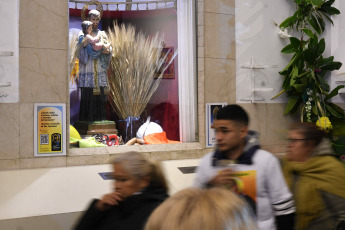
x=93, y=68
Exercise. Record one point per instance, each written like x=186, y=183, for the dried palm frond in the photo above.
x=133, y=67
x=74, y=49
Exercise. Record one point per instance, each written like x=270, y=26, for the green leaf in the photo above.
x=324, y=61
x=302, y=74
x=309, y=56
x=334, y=92
x=323, y=84
x=286, y=83
x=290, y=105
x=308, y=32
x=295, y=42
x=321, y=22
x=338, y=149
x=288, y=22
x=314, y=110
x=293, y=75
x=289, y=49
x=329, y=10
x=339, y=144
x=317, y=2
x=337, y=108
x=333, y=112
x=338, y=127
x=299, y=87
x=290, y=63
x=321, y=47
x=328, y=3
x=314, y=23
x=331, y=66
x=328, y=18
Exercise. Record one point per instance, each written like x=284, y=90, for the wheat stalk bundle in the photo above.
x=74, y=49
x=133, y=67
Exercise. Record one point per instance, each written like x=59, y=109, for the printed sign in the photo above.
x=211, y=112
x=50, y=129
x=244, y=184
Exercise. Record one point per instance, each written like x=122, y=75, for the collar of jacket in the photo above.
x=245, y=158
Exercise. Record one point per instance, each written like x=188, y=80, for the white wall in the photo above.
x=338, y=49
x=9, y=51
x=257, y=37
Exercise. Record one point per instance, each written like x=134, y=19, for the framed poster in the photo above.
x=169, y=73
x=211, y=112
x=50, y=129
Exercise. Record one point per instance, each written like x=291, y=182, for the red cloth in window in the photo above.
x=167, y=115
x=158, y=138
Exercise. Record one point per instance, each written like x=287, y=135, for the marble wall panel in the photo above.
x=278, y=150
x=26, y=130
x=200, y=19
x=43, y=24
x=200, y=36
x=200, y=6
x=269, y=121
x=220, y=36
x=9, y=131
x=219, y=80
x=222, y=7
x=43, y=75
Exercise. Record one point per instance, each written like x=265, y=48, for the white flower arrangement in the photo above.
x=284, y=33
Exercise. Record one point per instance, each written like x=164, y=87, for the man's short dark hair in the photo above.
x=233, y=113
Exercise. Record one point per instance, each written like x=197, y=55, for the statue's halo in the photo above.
x=98, y=5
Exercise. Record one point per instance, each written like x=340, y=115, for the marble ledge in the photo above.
x=139, y=148
x=88, y=160
x=87, y=151
x=42, y=162
x=9, y=164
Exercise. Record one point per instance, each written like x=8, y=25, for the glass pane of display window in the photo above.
x=124, y=78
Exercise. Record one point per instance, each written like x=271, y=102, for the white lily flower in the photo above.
x=283, y=33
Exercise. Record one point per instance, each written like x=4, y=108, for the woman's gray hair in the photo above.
x=137, y=165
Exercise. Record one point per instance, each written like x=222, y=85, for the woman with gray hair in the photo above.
x=140, y=187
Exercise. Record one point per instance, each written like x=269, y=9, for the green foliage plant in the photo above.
x=304, y=77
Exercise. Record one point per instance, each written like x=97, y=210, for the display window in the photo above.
x=132, y=73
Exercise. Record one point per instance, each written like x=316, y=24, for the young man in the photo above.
x=238, y=154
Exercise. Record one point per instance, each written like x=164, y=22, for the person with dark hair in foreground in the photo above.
x=316, y=179
x=238, y=154
x=140, y=187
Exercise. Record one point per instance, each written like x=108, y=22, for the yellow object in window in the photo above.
x=75, y=71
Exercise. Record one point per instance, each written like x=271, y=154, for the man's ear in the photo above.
x=244, y=131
